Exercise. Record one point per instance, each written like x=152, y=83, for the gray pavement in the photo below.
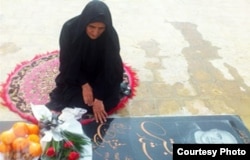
x=191, y=56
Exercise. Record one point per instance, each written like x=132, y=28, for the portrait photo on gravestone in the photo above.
x=137, y=138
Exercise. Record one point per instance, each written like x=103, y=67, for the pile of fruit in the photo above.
x=21, y=141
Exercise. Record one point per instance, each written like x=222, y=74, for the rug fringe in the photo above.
x=6, y=101
x=133, y=79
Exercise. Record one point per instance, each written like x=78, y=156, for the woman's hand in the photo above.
x=99, y=111
x=87, y=94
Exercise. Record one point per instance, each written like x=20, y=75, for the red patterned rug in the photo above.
x=32, y=81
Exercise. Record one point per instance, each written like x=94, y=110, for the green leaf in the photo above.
x=78, y=140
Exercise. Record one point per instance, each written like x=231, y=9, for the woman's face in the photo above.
x=95, y=30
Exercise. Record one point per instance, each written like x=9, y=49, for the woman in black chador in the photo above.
x=91, y=68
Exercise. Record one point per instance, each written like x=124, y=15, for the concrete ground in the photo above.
x=192, y=57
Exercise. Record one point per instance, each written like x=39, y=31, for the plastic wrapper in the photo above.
x=55, y=137
x=62, y=134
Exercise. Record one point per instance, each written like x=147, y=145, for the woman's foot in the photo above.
x=87, y=118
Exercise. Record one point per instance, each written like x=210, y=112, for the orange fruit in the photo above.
x=7, y=137
x=35, y=149
x=33, y=128
x=20, y=144
x=4, y=148
x=34, y=138
x=20, y=129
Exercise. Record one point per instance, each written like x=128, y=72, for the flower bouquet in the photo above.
x=62, y=135
x=70, y=148
x=55, y=137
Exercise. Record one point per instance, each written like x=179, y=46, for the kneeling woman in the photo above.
x=91, y=68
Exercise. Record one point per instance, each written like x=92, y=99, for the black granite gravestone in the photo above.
x=152, y=138
x=141, y=138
